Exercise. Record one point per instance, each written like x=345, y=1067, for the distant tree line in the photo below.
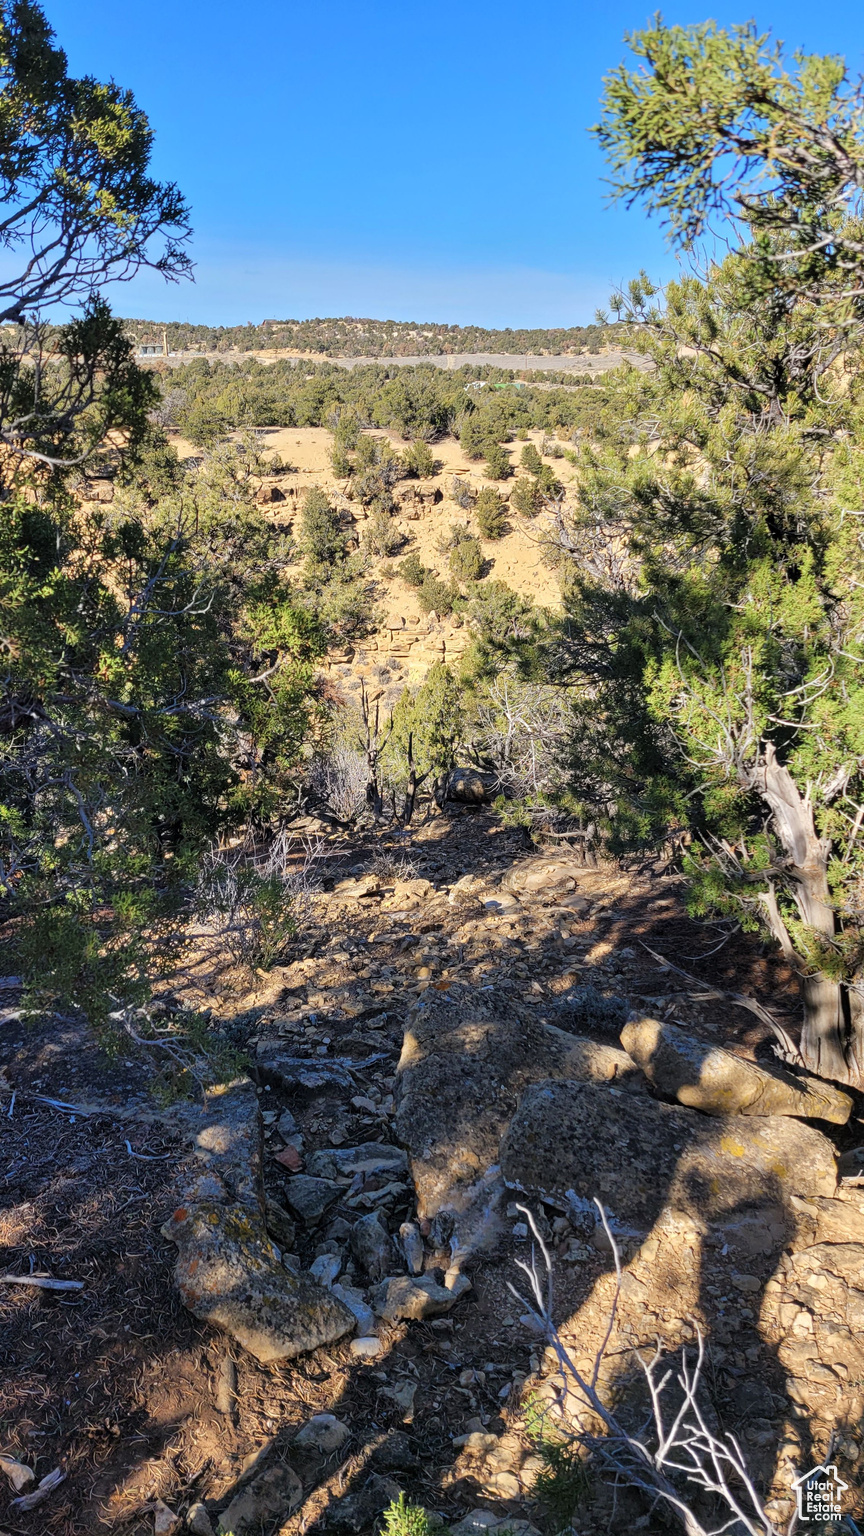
x=348, y=337
x=204, y=400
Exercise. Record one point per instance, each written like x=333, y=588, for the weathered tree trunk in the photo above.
x=832, y=1039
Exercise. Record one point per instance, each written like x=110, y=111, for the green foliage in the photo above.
x=714, y=611
x=530, y=459
x=491, y=514
x=381, y=536
x=419, y=460
x=525, y=497
x=434, y=716
x=133, y=726
x=341, y=462
x=467, y=561
x=498, y=466
x=437, y=596
x=404, y=1519
x=321, y=537
x=413, y=571
x=564, y=1483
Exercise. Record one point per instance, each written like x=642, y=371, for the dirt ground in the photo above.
x=117, y=1385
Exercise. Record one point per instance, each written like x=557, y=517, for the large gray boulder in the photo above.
x=463, y=1067
x=638, y=1157
x=712, y=1079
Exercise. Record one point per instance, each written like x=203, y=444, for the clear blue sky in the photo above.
x=391, y=158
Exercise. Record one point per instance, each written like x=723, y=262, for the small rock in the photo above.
x=359, y=1510
x=325, y=1268
x=310, y=1198
x=747, y=1283
x=400, y=1296
x=482, y=1521
x=505, y=1484
x=198, y=1521
x=403, y=1395
x=323, y=1433
x=165, y=1522
x=476, y=1442
x=412, y=1247
x=356, y=1303
x=19, y=1475
x=276, y=1492
x=345, y=1162
x=287, y=1125
x=366, y=1348
x=289, y=1158
x=371, y=1245
x=398, y=1453
x=279, y=1224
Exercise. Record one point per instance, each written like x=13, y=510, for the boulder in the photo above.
x=707, y=1077
x=274, y=1493
x=229, y=1275
x=813, y=1315
x=228, y=1271
x=577, y=1141
x=466, y=786
x=460, y=1075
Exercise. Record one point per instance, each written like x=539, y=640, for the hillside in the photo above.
x=349, y=337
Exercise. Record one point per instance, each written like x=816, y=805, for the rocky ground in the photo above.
x=294, y=1295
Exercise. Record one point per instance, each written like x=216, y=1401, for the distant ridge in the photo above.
x=350, y=337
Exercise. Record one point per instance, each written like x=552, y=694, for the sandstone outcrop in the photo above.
x=570, y=1139
x=707, y=1077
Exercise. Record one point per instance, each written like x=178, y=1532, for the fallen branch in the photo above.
x=788, y=1050
x=51, y=1481
x=679, y=1441
x=43, y=1282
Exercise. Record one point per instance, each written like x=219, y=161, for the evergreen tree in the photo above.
x=715, y=613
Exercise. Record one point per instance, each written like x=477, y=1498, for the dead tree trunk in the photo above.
x=832, y=1039
x=373, y=746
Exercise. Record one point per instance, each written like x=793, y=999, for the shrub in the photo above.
x=340, y=462
x=321, y=537
x=437, y=596
x=413, y=571
x=419, y=460
x=466, y=560
x=381, y=536
x=403, y=1519
x=530, y=459
x=498, y=466
x=491, y=514
x=525, y=497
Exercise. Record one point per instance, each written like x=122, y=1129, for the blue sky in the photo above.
x=392, y=158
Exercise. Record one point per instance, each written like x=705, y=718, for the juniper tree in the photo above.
x=715, y=611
